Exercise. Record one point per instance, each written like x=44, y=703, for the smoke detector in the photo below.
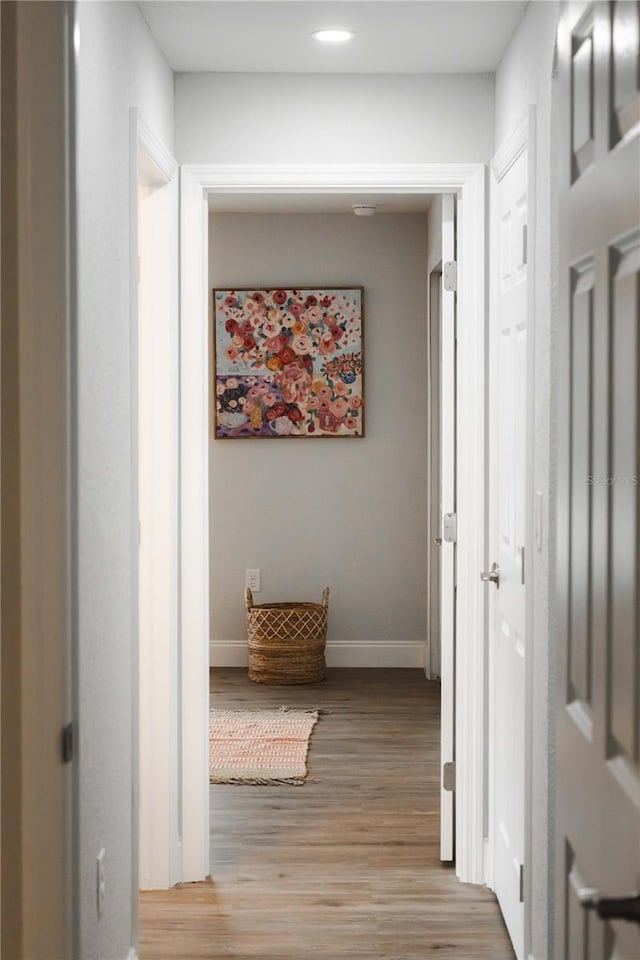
x=364, y=209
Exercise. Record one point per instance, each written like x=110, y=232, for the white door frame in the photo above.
x=522, y=138
x=194, y=525
x=154, y=372
x=175, y=846
x=447, y=505
x=468, y=181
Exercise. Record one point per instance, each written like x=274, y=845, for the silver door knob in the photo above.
x=493, y=575
x=612, y=908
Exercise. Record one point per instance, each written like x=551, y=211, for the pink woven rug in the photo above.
x=260, y=747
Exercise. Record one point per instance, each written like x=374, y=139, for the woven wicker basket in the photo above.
x=287, y=640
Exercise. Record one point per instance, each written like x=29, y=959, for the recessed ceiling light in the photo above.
x=332, y=36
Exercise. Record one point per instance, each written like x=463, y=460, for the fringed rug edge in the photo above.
x=262, y=781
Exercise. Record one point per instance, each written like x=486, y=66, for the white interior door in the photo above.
x=432, y=666
x=446, y=536
x=597, y=570
x=507, y=640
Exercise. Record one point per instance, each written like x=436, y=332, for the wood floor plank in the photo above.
x=346, y=865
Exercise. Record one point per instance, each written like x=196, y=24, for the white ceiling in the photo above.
x=318, y=203
x=392, y=36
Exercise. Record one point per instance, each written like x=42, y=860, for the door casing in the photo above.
x=155, y=359
x=468, y=181
x=447, y=504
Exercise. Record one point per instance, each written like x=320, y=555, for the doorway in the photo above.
x=468, y=181
x=169, y=542
x=350, y=515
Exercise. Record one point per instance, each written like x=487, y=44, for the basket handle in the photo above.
x=248, y=598
x=325, y=597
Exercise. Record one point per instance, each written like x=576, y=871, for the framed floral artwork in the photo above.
x=288, y=362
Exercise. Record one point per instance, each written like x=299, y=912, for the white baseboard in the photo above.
x=233, y=653
x=133, y=954
x=362, y=654
x=228, y=653
x=488, y=863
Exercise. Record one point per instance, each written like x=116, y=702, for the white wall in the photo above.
x=294, y=118
x=119, y=67
x=524, y=78
x=350, y=514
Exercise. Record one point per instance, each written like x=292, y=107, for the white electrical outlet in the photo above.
x=101, y=882
x=252, y=580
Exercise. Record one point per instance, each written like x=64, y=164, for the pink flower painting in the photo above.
x=288, y=363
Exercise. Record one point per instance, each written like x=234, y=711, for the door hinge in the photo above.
x=450, y=527
x=521, y=893
x=450, y=275
x=449, y=776
x=522, y=567
x=66, y=743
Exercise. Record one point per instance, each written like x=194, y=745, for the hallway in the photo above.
x=346, y=866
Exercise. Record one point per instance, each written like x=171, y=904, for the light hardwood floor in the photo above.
x=345, y=866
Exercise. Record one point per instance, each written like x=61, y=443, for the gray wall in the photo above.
x=350, y=514
x=293, y=118
x=434, y=232
x=119, y=67
x=524, y=78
